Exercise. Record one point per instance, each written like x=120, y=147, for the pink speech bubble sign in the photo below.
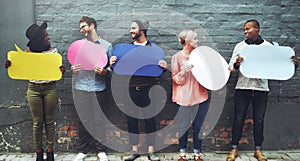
x=73, y=51
x=88, y=54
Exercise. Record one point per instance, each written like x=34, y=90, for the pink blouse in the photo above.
x=186, y=90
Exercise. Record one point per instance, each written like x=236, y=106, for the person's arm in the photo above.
x=76, y=68
x=7, y=64
x=295, y=61
x=112, y=61
x=179, y=72
x=235, y=61
x=163, y=64
x=100, y=71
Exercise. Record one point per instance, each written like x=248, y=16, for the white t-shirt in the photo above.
x=245, y=82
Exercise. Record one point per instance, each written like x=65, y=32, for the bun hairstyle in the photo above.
x=186, y=36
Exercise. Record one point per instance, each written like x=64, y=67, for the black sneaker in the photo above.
x=40, y=155
x=131, y=157
x=50, y=156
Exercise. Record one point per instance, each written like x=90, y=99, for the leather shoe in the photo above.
x=232, y=155
x=259, y=156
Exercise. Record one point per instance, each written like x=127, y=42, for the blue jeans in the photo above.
x=259, y=102
x=196, y=114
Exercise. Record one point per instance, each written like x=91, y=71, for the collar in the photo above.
x=254, y=42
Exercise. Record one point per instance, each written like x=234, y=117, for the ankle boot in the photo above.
x=39, y=155
x=50, y=155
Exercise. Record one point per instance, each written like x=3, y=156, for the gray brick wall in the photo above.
x=222, y=22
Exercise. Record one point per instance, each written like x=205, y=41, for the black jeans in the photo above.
x=259, y=102
x=140, y=96
x=91, y=128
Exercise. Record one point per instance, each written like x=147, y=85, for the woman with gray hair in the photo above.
x=191, y=96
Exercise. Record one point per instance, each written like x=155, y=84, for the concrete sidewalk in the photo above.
x=292, y=155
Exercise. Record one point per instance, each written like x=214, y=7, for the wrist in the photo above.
x=236, y=66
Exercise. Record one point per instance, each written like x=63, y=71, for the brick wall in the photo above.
x=220, y=21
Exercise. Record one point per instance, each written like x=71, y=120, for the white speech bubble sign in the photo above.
x=209, y=68
x=267, y=62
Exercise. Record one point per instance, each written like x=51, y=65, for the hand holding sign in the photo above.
x=88, y=54
x=34, y=66
x=267, y=62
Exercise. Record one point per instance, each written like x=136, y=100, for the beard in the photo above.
x=137, y=36
x=87, y=34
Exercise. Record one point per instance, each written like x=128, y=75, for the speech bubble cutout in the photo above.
x=73, y=51
x=138, y=60
x=209, y=68
x=267, y=62
x=88, y=54
x=34, y=66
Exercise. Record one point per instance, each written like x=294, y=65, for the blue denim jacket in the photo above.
x=88, y=80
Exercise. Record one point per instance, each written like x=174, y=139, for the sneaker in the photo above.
x=102, y=156
x=259, y=156
x=232, y=155
x=132, y=157
x=80, y=157
x=153, y=157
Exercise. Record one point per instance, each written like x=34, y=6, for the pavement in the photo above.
x=291, y=155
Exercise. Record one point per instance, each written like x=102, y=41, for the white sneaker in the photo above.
x=102, y=156
x=80, y=157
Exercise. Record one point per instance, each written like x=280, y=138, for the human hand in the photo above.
x=112, y=60
x=239, y=60
x=99, y=70
x=163, y=64
x=7, y=64
x=76, y=68
x=62, y=69
x=295, y=61
x=186, y=68
x=237, y=63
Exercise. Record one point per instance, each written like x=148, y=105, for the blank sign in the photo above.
x=88, y=54
x=209, y=68
x=267, y=62
x=34, y=66
x=138, y=60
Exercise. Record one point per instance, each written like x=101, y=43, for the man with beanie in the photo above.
x=139, y=87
